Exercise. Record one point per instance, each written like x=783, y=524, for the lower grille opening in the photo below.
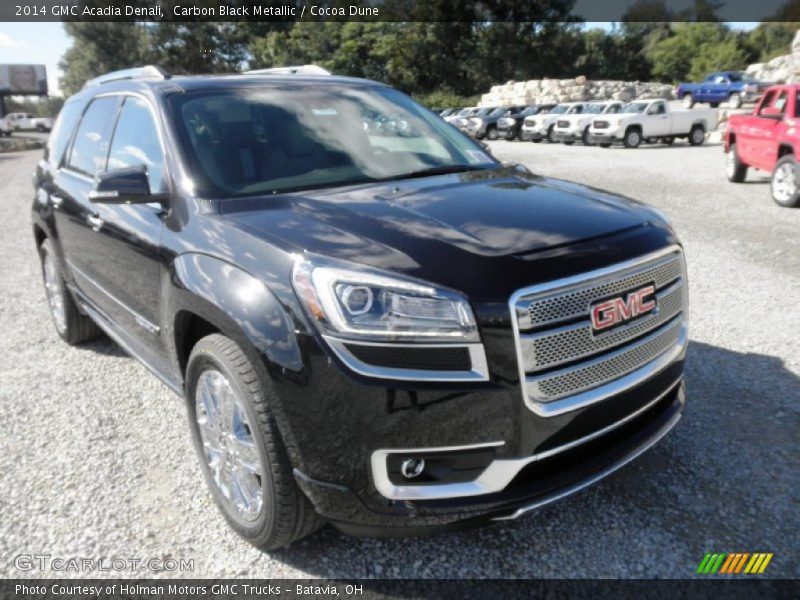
x=428, y=359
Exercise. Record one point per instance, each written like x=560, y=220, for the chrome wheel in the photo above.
x=784, y=182
x=228, y=445
x=55, y=296
x=698, y=136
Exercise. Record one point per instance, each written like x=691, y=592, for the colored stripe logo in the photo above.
x=734, y=563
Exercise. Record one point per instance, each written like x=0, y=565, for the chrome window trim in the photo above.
x=479, y=371
x=496, y=476
x=597, y=394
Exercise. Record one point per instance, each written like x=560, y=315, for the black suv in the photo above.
x=392, y=333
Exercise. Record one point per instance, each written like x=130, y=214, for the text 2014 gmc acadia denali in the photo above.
x=379, y=327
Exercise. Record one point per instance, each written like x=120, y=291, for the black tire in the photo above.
x=605, y=145
x=491, y=133
x=714, y=104
x=536, y=140
x=286, y=515
x=550, y=134
x=633, y=137
x=74, y=328
x=697, y=135
x=735, y=169
x=793, y=199
x=568, y=142
x=509, y=136
x=735, y=100
x=41, y=128
x=688, y=101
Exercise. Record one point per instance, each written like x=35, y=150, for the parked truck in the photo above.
x=652, y=121
x=575, y=127
x=732, y=87
x=768, y=140
x=26, y=121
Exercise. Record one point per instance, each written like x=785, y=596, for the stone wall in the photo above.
x=549, y=91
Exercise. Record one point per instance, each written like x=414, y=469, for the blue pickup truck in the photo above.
x=733, y=87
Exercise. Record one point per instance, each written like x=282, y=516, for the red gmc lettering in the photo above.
x=617, y=310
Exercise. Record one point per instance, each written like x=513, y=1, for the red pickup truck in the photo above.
x=769, y=140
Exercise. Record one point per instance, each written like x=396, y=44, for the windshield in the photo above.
x=595, y=109
x=254, y=141
x=484, y=111
x=635, y=107
x=531, y=110
x=560, y=109
x=734, y=76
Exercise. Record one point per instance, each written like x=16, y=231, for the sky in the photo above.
x=45, y=43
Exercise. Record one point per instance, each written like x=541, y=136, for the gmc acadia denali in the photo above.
x=392, y=333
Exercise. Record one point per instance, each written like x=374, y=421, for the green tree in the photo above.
x=695, y=49
x=98, y=48
x=768, y=40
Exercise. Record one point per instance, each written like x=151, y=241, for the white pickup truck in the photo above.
x=26, y=121
x=575, y=126
x=652, y=121
x=540, y=126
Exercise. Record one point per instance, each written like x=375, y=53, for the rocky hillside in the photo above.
x=783, y=69
x=549, y=91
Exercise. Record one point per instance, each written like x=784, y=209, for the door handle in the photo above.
x=56, y=201
x=95, y=221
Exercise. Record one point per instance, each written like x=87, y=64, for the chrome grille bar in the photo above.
x=564, y=364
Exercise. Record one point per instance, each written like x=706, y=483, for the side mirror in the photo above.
x=128, y=185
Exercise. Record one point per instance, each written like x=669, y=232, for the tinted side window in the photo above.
x=62, y=131
x=136, y=142
x=766, y=101
x=91, y=140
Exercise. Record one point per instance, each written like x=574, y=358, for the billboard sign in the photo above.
x=23, y=80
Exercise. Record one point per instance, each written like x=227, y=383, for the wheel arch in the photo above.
x=207, y=295
x=783, y=150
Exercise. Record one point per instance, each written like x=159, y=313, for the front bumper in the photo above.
x=342, y=428
x=603, y=138
x=566, y=136
x=532, y=134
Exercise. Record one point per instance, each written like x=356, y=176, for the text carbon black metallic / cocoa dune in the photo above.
x=382, y=328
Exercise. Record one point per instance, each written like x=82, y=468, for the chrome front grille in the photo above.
x=600, y=124
x=562, y=124
x=565, y=364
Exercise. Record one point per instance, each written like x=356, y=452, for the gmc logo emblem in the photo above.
x=615, y=311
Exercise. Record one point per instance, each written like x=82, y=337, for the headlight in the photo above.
x=353, y=302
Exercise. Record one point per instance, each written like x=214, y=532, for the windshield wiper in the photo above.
x=440, y=170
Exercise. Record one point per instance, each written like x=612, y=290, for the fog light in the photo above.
x=412, y=467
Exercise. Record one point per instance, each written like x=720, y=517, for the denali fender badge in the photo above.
x=616, y=311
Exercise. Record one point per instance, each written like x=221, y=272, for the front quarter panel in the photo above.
x=234, y=301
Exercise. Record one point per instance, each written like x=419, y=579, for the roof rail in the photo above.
x=148, y=71
x=298, y=70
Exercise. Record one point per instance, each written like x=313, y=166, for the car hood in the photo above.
x=472, y=218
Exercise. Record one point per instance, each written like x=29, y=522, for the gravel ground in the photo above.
x=96, y=461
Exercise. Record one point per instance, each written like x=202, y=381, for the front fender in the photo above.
x=238, y=304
